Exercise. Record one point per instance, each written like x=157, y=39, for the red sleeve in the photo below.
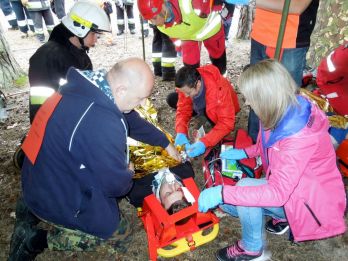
x=225, y=113
x=183, y=113
x=206, y=6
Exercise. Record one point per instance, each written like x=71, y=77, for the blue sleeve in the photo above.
x=142, y=130
x=100, y=145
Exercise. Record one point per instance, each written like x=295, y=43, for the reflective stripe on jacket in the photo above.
x=37, y=5
x=193, y=27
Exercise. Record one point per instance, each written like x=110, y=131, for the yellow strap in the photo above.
x=182, y=245
x=81, y=21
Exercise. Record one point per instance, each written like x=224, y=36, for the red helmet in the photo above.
x=150, y=8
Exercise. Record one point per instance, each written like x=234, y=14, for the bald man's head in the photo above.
x=131, y=81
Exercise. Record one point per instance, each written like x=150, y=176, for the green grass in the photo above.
x=21, y=81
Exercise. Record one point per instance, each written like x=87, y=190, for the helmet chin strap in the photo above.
x=83, y=47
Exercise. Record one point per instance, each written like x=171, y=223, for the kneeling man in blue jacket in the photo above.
x=77, y=161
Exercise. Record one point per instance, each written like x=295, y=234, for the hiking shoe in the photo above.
x=119, y=33
x=277, y=226
x=20, y=243
x=132, y=31
x=237, y=253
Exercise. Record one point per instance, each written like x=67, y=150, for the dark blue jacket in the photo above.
x=81, y=168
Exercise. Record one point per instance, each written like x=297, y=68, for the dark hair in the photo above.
x=186, y=76
x=176, y=207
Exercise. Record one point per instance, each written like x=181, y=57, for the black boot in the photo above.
x=194, y=66
x=220, y=63
x=18, y=157
x=172, y=99
x=20, y=247
x=24, y=234
x=23, y=214
x=157, y=69
x=168, y=73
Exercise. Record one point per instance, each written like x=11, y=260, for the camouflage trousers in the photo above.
x=64, y=239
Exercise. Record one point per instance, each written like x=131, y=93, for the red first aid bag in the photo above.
x=332, y=79
x=212, y=164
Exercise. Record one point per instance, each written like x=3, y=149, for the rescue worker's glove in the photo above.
x=181, y=139
x=233, y=154
x=237, y=2
x=196, y=149
x=210, y=198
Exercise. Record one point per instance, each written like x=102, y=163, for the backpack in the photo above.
x=213, y=171
x=332, y=79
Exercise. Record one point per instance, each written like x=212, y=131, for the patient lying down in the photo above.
x=167, y=186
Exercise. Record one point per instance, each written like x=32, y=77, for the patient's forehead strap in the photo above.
x=170, y=178
x=187, y=194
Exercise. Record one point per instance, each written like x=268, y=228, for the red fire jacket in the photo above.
x=221, y=106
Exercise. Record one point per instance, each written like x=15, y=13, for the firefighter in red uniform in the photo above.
x=193, y=22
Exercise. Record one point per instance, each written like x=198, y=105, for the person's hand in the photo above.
x=233, y=154
x=210, y=198
x=196, y=149
x=181, y=139
x=173, y=152
x=24, y=2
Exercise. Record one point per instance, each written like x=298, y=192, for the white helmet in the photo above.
x=86, y=16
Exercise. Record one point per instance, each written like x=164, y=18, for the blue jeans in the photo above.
x=227, y=26
x=252, y=218
x=293, y=59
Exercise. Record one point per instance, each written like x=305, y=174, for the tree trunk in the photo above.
x=246, y=19
x=330, y=31
x=9, y=68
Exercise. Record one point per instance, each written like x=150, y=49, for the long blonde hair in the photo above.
x=269, y=89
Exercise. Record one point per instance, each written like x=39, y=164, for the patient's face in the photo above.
x=170, y=193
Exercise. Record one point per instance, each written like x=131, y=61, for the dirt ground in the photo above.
x=104, y=56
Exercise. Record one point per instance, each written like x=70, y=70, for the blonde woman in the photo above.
x=303, y=188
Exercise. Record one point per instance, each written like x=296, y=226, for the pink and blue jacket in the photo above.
x=300, y=166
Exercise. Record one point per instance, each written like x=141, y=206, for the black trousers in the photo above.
x=120, y=17
x=163, y=55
